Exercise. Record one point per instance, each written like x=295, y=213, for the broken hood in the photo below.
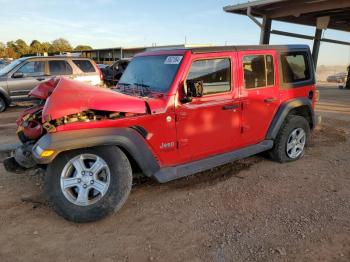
x=67, y=97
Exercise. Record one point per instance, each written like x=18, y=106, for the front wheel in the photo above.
x=87, y=184
x=291, y=139
x=3, y=104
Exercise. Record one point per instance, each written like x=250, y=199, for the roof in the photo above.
x=247, y=47
x=53, y=57
x=304, y=12
x=197, y=50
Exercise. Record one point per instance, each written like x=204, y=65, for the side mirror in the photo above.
x=194, y=88
x=18, y=75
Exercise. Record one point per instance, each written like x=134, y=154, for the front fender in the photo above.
x=126, y=138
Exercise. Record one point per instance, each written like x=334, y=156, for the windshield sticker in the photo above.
x=173, y=60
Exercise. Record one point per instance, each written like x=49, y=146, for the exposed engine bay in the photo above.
x=62, y=101
x=31, y=127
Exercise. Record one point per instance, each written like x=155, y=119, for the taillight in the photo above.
x=99, y=71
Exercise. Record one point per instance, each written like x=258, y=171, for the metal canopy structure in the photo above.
x=322, y=14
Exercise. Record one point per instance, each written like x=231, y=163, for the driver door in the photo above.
x=210, y=124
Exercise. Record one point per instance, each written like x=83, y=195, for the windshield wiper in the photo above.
x=123, y=84
x=144, y=88
x=135, y=89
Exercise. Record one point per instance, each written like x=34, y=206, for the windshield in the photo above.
x=150, y=73
x=9, y=67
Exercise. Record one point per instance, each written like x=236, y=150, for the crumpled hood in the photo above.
x=44, y=89
x=70, y=97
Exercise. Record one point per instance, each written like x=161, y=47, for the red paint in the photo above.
x=194, y=130
x=71, y=97
x=257, y=115
x=28, y=111
x=44, y=89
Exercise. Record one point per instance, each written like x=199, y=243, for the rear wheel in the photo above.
x=291, y=139
x=3, y=104
x=87, y=184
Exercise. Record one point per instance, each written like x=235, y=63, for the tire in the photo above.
x=283, y=145
x=23, y=138
x=114, y=183
x=3, y=104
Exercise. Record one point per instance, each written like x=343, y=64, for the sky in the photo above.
x=113, y=23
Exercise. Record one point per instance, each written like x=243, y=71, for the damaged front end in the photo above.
x=62, y=102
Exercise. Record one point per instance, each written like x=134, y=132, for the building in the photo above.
x=321, y=14
x=109, y=55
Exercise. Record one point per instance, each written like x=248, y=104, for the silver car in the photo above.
x=22, y=75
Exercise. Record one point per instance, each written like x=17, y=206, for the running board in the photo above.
x=167, y=174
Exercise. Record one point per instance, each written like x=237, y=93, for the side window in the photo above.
x=60, y=67
x=295, y=67
x=85, y=66
x=35, y=68
x=215, y=74
x=258, y=71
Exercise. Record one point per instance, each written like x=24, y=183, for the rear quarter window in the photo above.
x=295, y=67
x=85, y=66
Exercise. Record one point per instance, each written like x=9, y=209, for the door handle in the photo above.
x=230, y=107
x=270, y=100
x=40, y=78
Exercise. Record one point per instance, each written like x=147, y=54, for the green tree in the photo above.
x=11, y=53
x=45, y=46
x=10, y=50
x=21, y=47
x=82, y=47
x=11, y=44
x=35, y=47
x=60, y=45
x=2, y=49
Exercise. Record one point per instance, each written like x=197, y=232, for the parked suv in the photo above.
x=113, y=73
x=176, y=113
x=21, y=76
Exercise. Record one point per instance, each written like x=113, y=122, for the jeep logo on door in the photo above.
x=167, y=146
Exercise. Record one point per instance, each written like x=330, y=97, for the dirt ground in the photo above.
x=251, y=210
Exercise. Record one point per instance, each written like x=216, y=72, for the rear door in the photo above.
x=32, y=73
x=60, y=67
x=259, y=93
x=210, y=124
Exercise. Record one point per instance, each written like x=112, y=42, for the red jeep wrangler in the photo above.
x=173, y=113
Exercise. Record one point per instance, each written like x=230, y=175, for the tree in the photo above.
x=11, y=44
x=10, y=50
x=21, y=47
x=11, y=53
x=60, y=45
x=45, y=47
x=36, y=47
x=2, y=49
x=82, y=47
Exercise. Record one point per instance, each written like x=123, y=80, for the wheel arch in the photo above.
x=127, y=139
x=298, y=106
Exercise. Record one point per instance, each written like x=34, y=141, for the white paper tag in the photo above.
x=173, y=60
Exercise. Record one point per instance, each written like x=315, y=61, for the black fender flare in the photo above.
x=283, y=111
x=125, y=138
